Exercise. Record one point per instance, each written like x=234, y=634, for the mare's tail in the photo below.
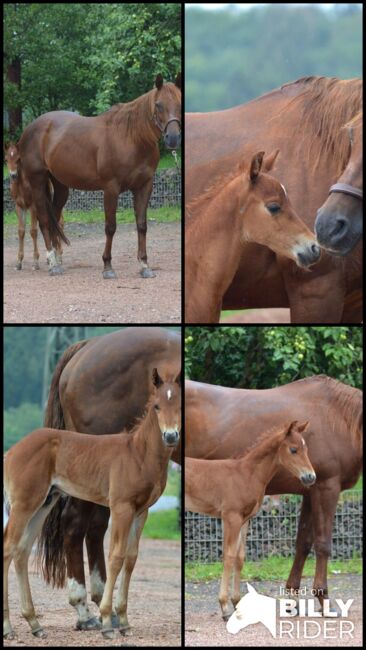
x=50, y=553
x=56, y=231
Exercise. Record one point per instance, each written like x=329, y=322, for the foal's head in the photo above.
x=167, y=110
x=166, y=402
x=268, y=217
x=293, y=453
x=12, y=159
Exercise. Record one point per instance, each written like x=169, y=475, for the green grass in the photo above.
x=273, y=568
x=162, y=525
x=161, y=215
x=173, y=483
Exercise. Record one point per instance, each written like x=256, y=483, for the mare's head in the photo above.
x=268, y=216
x=167, y=110
x=166, y=402
x=12, y=159
x=293, y=454
x=338, y=225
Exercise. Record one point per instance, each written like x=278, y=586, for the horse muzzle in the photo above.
x=172, y=140
x=308, y=478
x=308, y=254
x=171, y=438
x=13, y=176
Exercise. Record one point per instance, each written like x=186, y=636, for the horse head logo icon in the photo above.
x=253, y=608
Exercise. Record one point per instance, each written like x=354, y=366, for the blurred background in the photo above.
x=236, y=52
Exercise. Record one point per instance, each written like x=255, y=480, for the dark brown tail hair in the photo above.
x=50, y=553
x=54, y=226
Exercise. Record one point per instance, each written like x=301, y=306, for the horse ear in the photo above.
x=302, y=427
x=270, y=160
x=256, y=165
x=178, y=81
x=159, y=81
x=291, y=426
x=251, y=589
x=157, y=380
x=178, y=379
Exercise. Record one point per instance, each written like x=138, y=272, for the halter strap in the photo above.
x=344, y=188
x=163, y=129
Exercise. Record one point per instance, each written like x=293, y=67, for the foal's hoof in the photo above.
x=56, y=270
x=108, y=633
x=35, y=266
x=40, y=633
x=109, y=274
x=147, y=273
x=18, y=266
x=225, y=617
x=125, y=630
x=9, y=636
x=91, y=624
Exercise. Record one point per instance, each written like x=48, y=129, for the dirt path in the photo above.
x=154, y=605
x=81, y=295
x=205, y=627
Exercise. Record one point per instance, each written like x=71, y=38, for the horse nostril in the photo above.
x=341, y=225
x=315, y=249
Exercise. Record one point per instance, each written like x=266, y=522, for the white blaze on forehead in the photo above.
x=169, y=394
x=284, y=189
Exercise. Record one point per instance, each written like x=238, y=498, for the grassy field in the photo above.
x=161, y=215
x=162, y=525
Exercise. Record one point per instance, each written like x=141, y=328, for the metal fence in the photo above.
x=167, y=191
x=273, y=531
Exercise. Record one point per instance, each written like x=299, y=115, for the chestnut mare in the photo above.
x=248, y=205
x=22, y=195
x=125, y=472
x=233, y=489
x=223, y=422
x=100, y=386
x=113, y=152
x=305, y=120
x=342, y=211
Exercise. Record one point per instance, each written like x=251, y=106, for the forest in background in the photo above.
x=233, y=56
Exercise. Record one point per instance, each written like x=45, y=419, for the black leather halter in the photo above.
x=164, y=128
x=344, y=188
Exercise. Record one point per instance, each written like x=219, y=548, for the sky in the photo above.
x=242, y=7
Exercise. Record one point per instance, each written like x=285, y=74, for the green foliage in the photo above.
x=263, y=357
x=234, y=56
x=20, y=421
x=162, y=524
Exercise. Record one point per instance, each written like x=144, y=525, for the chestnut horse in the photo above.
x=22, y=195
x=113, y=152
x=233, y=489
x=125, y=472
x=340, y=218
x=247, y=206
x=223, y=422
x=100, y=386
x=305, y=120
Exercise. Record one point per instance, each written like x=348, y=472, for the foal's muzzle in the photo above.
x=171, y=438
x=13, y=175
x=308, y=478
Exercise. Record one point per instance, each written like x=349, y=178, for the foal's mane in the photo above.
x=200, y=202
x=327, y=105
x=269, y=436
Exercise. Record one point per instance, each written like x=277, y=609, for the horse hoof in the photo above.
x=109, y=274
x=35, y=267
x=9, y=635
x=56, y=270
x=40, y=633
x=108, y=633
x=90, y=624
x=225, y=617
x=147, y=273
x=125, y=630
x=18, y=266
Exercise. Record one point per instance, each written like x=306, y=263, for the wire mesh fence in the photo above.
x=166, y=192
x=273, y=530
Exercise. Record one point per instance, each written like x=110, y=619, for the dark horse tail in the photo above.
x=50, y=553
x=56, y=231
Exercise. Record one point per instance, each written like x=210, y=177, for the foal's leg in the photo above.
x=110, y=208
x=21, y=232
x=40, y=199
x=94, y=544
x=304, y=542
x=122, y=518
x=239, y=561
x=232, y=523
x=141, y=200
x=128, y=567
x=34, y=234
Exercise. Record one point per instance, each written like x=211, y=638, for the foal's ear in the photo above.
x=178, y=379
x=291, y=427
x=178, y=81
x=157, y=380
x=302, y=427
x=270, y=160
x=256, y=165
x=159, y=81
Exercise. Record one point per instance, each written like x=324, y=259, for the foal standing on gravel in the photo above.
x=233, y=490
x=126, y=472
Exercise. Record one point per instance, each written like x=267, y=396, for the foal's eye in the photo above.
x=273, y=208
x=293, y=450
x=157, y=407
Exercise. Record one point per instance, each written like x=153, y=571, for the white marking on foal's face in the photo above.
x=284, y=189
x=169, y=394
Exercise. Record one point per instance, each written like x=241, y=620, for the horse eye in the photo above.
x=157, y=407
x=293, y=450
x=158, y=106
x=273, y=208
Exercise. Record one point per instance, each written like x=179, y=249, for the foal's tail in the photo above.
x=50, y=553
x=55, y=229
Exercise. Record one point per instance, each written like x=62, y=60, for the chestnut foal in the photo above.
x=126, y=472
x=233, y=489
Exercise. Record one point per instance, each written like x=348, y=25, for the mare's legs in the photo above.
x=238, y=565
x=128, y=567
x=34, y=234
x=304, y=542
x=21, y=232
x=94, y=544
x=60, y=196
x=40, y=199
x=122, y=517
x=141, y=200
x=232, y=523
x=110, y=208
x=75, y=520
x=324, y=497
